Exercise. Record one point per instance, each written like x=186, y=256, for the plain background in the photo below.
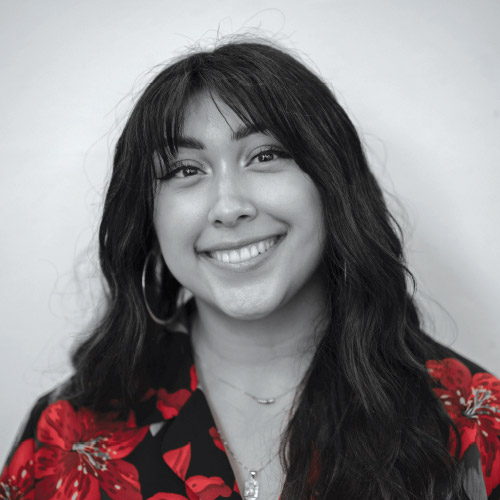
x=420, y=79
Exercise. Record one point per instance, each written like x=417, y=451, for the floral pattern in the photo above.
x=169, y=447
x=81, y=452
x=214, y=434
x=199, y=488
x=16, y=481
x=178, y=460
x=473, y=403
x=169, y=404
x=207, y=488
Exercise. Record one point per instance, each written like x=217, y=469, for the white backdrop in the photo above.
x=421, y=80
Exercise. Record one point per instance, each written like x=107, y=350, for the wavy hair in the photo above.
x=366, y=419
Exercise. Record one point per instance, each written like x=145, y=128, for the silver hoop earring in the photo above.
x=156, y=319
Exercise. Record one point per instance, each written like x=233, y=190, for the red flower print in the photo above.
x=178, y=460
x=169, y=404
x=148, y=394
x=167, y=496
x=473, y=403
x=216, y=438
x=194, y=378
x=197, y=487
x=17, y=479
x=236, y=488
x=82, y=452
x=207, y=488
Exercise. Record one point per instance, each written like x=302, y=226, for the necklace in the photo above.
x=261, y=401
x=251, y=490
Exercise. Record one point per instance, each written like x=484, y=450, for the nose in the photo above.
x=231, y=201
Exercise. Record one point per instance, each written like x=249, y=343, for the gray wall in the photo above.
x=419, y=78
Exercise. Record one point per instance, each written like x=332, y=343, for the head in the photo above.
x=265, y=90
x=239, y=223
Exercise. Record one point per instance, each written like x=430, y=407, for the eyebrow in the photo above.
x=237, y=135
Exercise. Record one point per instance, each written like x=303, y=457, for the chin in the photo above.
x=245, y=308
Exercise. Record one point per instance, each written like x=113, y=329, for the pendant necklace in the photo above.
x=251, y=489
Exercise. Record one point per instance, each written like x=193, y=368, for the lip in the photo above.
x=222, y=246
x=247, y=265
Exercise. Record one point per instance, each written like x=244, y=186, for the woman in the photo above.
x=259, y=334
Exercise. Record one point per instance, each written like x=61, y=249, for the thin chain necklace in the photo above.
x=261, y=401
x=251, y=490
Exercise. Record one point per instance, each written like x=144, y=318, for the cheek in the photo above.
x=296, y=200
x=176, y=222
x=306, y=216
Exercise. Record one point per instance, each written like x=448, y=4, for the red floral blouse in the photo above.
x=169, y=448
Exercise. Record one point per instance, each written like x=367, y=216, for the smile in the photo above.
x=246, y=253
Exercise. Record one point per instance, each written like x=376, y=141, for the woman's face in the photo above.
x=239, y=223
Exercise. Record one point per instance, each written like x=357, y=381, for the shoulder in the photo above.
x=471, y=397
x=17, y=477
x=43, y=454
x=444, y=352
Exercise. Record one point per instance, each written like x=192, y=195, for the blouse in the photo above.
x=169, y=447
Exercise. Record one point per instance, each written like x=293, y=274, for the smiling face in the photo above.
x=238, y=222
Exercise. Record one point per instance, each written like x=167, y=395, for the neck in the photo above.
x=277, y=348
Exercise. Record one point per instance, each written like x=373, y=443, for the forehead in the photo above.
x=206, y=113
x=207, y=118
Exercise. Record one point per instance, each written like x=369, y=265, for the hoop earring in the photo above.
x=156, y=319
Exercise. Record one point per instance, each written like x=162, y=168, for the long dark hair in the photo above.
x=366, y=420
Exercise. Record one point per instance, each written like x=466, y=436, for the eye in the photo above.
x=269, y=154
x=180, y=171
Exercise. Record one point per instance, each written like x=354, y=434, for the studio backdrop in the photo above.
x=420, y=79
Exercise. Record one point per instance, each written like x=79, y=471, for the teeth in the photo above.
x=245, y=253
x=234, y=256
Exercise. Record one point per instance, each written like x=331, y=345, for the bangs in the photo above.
x=253, y=90
x=166, y=131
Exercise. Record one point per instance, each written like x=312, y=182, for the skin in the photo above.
x=254, y=322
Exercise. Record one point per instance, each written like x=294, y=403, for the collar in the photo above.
x=190, y=444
